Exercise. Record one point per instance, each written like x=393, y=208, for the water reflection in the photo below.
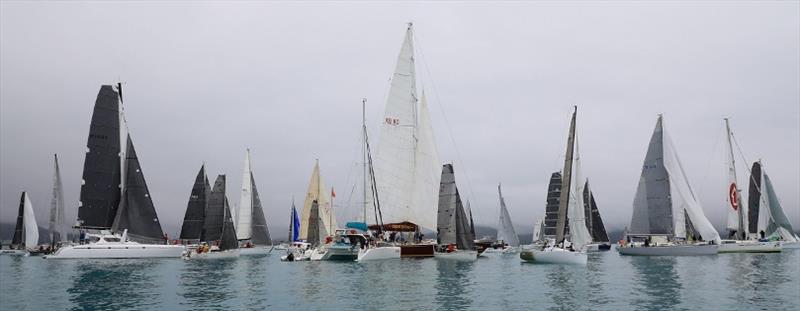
x=754, y=277
x=254, y=270
x=656, y=283
x=561, y=285
x=452, y=286
x=595, y=279
x=115, y=284
x=206, y=283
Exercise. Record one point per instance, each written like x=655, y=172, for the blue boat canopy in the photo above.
x=356, y=225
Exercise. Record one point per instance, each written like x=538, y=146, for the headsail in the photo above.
x=196, y=208
x=313, y=223
x=259, y=232
x=228, y=235
x=317, y=192
x=26, y=232
x=407, y=169
x=579, y=234
x=505, y=229
x=58, y=231
x=136, y=212
x=215, y=213
x=595, y=222
x=778, y=219
x=538, y=231
x=101, y=187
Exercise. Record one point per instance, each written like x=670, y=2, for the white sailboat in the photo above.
x=26, y=232
x=505, y=228
x=407, y=168
x=766, y=217
x=564, y=251
x=114, y=197
x=251, y=227
x=667, y=219
x=739, y=241
x=454, y=238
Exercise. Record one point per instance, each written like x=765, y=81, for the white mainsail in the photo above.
x=505, y=229
x=318, y=192
x=58, y=232
x=538, y=230
x=579, y=234
x=244, y=214
x=737, y=222
x=29, y=223
x=407, y=168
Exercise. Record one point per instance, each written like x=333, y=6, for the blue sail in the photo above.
x=295, y=225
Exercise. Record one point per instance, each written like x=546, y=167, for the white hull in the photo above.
x=231, y=253
x=460, y=255
x=255, y=251
x=14, y=252
x=749, y=247
x=672, y=250
x=118, y=251
x=379, y=253
x=791, y=245
x=554, y=256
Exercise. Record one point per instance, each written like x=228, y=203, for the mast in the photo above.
x=736, y=220
x=364, y=152
x=565, y=181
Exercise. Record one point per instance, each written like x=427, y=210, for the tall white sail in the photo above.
x=244, y=213
x=505, y=229
x=58, y=232
x=317, y=191
x=737, y=222
x=29, y=222
x=579, y=234
x=538, y=230
x=407, y=164
x=683, y=197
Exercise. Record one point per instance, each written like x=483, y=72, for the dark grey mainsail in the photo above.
x=196, y=208
x=566, y=178
x=19, y=231
x=215, y=212
x=778, y=218
x=260, y=231
x=100, y=191
x=652, y=206
x=136, y=212
x=754, y=198
x=551, y=210
x=313, y=224
x=453, y=224
x=228, y=233
x=593, y=220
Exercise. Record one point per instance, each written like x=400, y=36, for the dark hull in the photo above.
x=416, y=250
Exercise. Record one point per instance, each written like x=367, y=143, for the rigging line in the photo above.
x=444, y=116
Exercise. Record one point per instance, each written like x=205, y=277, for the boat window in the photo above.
x=94, y=239
x=111, y=239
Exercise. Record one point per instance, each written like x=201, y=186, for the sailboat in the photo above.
x=506, y=235
x=317, y=192
x=218, y=235
x=114, y=197
x=665, y=207
x=58, y=229
x=738, y=239
x=26, y=232
x=454, y=238
x=594, y=222
x=537, y=237
x=766, y=217
x=295, y=249
x=564, y=251
x=193, y=220
x=407, y=167
x=251, y=228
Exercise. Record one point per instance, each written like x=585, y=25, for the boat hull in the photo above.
x=791, y=245
x=750, y=247
x=673, y=250
x=255, y=251
x=14, y=252
x=227, y=254
x=336, y=253
x=118, y=251
x=553, y=256
x=598, y=247
x=416, y=250
x=459, y=255
x=379, y=253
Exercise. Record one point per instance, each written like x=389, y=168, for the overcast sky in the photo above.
x=205, y=80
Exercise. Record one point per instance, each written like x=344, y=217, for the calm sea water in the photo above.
x=609, y=282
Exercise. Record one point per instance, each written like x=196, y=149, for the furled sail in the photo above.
x=505, y=229
x=58, y=231
x=453, y=226
x=196, y=208
x=101, y=187
x=215, y=213
x=245, y=213
x=594, y=221
x=317, y=192
x=136, y=212
x=664, y=196
x=407, y=169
